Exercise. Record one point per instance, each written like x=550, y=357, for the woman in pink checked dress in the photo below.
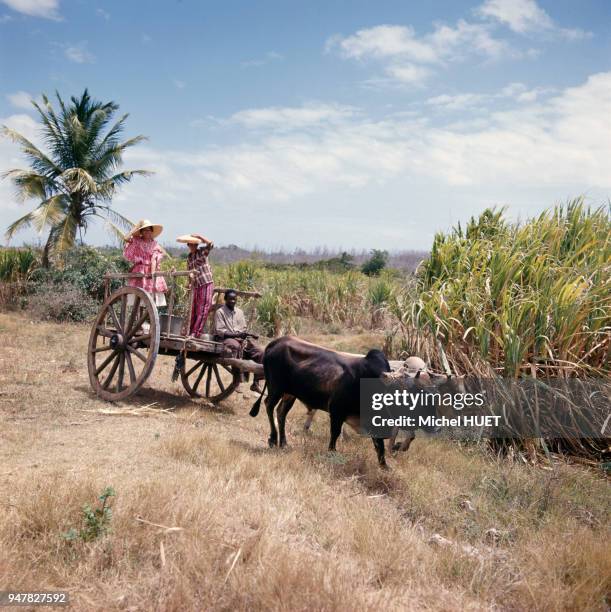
x=144, y=252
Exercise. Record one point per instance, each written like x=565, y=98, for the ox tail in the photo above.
x=254, y=411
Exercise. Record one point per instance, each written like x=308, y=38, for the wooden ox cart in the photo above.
x=129, y=333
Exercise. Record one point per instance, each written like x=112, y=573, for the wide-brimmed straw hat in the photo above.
x=189, y=239
x=157, y=229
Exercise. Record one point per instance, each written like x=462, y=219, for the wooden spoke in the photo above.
x=107, y=373
x=208, y=381
x=106, y=362
x=111, y=374
x=104, y=332
x=134, y=313
x=130, y=367
x=216, y=388
x=123, y=311
x=136, y=352
x=194, y=368
x=136, y=339
x=218, y=377
x=199, y=377
x=113, y=315
x=137, y=326
x=121, y=371
x=104, y=347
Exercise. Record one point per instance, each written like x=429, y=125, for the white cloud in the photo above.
x=386, y=41
x=47, y=9
x=525, y=16
x=79, y=53
x=521, y=93
x=22, y=99
x=103, y=14
x=574, y=34
x=270, y=56
x=458, y=101
x=408, y=73
x=516, y=92
x=409, y=59
x=520, y=15
x=292, y=118
x=466, y=38
x=179, y=84
x=563, y=143
x=401, y=42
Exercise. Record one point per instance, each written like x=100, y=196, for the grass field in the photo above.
x=232, y=525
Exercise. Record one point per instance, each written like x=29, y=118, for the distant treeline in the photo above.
x=317, y=258
x=324, y=257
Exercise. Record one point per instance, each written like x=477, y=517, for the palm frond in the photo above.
x=130, y=142
x=30, y=184
x=53, y=135
x=113, y=229
x=21, y=224
x=108, y=187
x=40, y=162
x=117, y=218
x=63, y=235
x=110, y=139
x=79, y=180
x=50, y=212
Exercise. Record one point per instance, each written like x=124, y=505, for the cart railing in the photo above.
x=172, y=274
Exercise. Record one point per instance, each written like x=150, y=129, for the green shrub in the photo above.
x=84, y=268
x=271, y=313
x=16, y=269
x=62, y=302
x=16, y=265
x=376, y=263
x=96, y=521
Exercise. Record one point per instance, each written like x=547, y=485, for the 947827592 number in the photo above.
x=34, y=598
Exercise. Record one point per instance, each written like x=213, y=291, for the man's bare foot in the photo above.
x=255, y=387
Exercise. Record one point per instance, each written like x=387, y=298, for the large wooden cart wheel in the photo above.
x=123, y=344
x=209, y=379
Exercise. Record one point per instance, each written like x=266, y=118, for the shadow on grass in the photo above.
x=161, y=399
x=255, y=449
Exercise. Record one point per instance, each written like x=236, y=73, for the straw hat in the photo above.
x=189, y=239
x=157, y=229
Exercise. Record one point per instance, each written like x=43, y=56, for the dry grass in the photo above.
x=296, y=529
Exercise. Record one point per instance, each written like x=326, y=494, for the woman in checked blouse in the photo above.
x=200, y=278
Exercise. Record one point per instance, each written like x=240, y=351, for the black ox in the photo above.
x=320, y=378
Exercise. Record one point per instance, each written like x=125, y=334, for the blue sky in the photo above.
x=341, y=123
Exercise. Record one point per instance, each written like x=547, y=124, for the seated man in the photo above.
x=230, y=328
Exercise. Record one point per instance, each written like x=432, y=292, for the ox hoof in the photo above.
x=271, y=442
x=396, y=447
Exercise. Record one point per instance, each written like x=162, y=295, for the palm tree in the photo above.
x=76, y=180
